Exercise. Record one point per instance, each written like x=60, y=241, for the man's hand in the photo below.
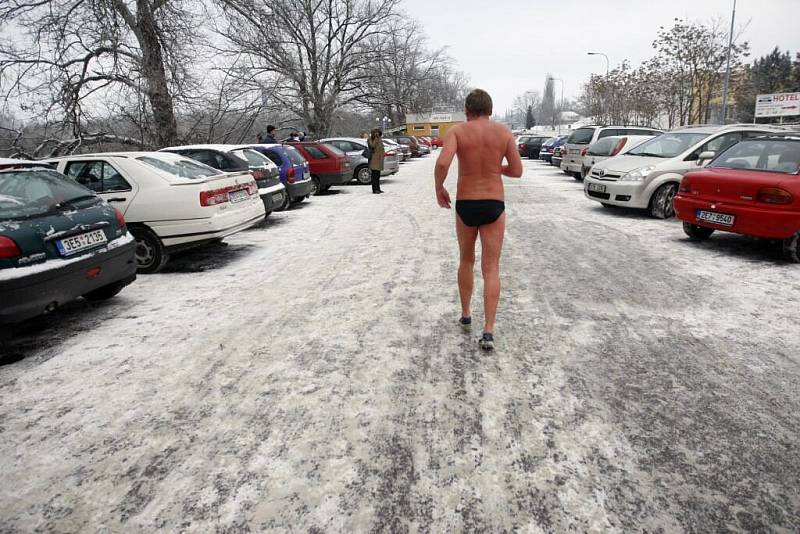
x=443, y=197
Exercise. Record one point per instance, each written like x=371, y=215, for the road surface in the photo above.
x=310, y=376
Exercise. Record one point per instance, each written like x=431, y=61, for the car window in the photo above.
x=718, y=144
x=343, y=145
x=275, y=157
x=581, y=136
x=294, y=156
x=315, y=153
x=181, y=168
x=335, y=150
x=667, y=145
x=28, y=193
x=763, y=155
x=602, y=147
x=99, y=176
x=252, y=157
x=609, y=132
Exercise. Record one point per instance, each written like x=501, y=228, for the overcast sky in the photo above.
x=508, y=46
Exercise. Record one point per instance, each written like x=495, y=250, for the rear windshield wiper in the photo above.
x=72, y=201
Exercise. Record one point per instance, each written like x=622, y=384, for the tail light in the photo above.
x=620, y=146
x=391, y=153
x=120, y=218
x=773, y=195
x=522, y=146
x=220, y=196
x=686, y=185
x=290, y=175
x=584, y=151
x=8, y=248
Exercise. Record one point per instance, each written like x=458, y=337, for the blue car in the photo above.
x=295, y=174
x=558, y=146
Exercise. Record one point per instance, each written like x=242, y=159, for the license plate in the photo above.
x=277, y=197
x=238, y=195
x=76, y=243
x=598, y=188
x=574, y=151
x=722, y=219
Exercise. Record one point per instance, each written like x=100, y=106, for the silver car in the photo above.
x=354, y=148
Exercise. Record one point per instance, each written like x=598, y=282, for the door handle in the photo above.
x=117, y=199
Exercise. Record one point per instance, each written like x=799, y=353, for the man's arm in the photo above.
x=449, y=149
x=514, y=167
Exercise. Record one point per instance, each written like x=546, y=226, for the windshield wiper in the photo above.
x=72, y=201
x=650, y=155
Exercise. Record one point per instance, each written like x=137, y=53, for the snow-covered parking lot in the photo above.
x=309, y=376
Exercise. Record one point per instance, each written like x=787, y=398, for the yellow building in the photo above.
x=432, y=124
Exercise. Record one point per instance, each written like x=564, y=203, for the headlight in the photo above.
x=637, y=175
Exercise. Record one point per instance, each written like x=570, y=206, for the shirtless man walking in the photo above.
x=480, y=145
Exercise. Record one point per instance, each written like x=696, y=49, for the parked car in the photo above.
x=411, y=143
x=294, y=170
x=58, y=241
x=608, y=147
x=648, y=176
x=529, y=145
x=752, y=188
x=403, y=151
x=328, y=165
x=170, y=202
x=436, y=141
x=232, y=158
x=10, y=163
x=354, y=148
x=546, y=150
x=558, y=151
x=586, y=135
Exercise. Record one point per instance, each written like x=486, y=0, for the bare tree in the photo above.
x=527, y=102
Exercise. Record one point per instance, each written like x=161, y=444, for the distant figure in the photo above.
x=375, y=144
x=259, y=138
x=364, y=134
x=302, y=136
x=270, y=138
x=293, y=137
x=480, y=145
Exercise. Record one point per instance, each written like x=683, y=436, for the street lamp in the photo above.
x=385, y=120
x=728, y=68
x=561, y=105
x=608, y=63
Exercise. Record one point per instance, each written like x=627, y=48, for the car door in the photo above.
x=108, y=180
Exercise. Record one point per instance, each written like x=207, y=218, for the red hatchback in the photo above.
x=753, y=188
x=328, y=165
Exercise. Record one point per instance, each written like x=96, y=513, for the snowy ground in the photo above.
x=309, y=377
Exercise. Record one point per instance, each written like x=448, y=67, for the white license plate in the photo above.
x=722, y=219
x=76, y=243
x=238, y=196
x=278, y=197
x=598, y=188
x=574, y=151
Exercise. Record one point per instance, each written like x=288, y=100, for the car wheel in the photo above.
x=697, y=233
x=791, y=248
x=151, y=256
x=317, y=186
x=363, y=175
x=326, y=187
x=577, y=175
x=105, y=292
x=286, y=202
x=661, y=203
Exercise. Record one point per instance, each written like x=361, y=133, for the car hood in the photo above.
x=623, y=164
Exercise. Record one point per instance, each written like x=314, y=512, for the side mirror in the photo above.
x=705, y=156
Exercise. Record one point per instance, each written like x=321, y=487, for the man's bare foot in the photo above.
x=486, y=342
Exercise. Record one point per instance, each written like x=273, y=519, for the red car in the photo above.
x=437, y=142
x=328, y=165
x=752, y=188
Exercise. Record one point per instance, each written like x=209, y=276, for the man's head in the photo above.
x=478, y=104
x=270, y=130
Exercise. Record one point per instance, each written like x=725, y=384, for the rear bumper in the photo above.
x=300, y=189
x=28, y=296
x=187, y=232
x=759, y=221
x=572, y=163
x=272, y=197
x=338, y=178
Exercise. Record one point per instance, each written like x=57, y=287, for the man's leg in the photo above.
x=491, y=247
x=466, y=246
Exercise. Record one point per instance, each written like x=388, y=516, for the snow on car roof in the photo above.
x=133, y=154
x=207, y=146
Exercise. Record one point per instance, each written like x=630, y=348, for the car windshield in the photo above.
x=254, y=159
x=761, y=155
x=30, y=193
x=179, y=167
x=295, y=156
x=668, y=145
x=581, y=136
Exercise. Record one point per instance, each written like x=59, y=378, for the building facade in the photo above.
x=432, y=124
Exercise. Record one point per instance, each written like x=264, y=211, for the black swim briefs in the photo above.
x=479, y=212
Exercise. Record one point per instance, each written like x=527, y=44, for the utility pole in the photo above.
x=561, y=105
x=608, y=63
x=728, y=68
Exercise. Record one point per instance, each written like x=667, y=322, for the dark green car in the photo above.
x=58, y=242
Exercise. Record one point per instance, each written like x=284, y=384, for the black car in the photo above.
x=58, y=241
x=529, y=145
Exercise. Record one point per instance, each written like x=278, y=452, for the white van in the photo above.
x=648, y=176
x=169, y=201
x=578, y=142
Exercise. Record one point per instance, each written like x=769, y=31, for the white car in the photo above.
x=578, y=141
x=608, y=147
x=648, y=176
x=169, y=201
x=354, y=147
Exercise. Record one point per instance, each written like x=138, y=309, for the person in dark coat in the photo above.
x=270, y=137
x=375, y=143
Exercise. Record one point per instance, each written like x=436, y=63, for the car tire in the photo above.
x=151, y=255
x=105, y=292
x=661, y=203
x=697, y=233
x=286, y=202
x=363, y=175
x=326, y=187
x=317, y=186
x=578, y=176
x=791, y=248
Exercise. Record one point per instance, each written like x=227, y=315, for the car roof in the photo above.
x=207, y=146
x=714, y=128
x=112, y=155
x=357, y=139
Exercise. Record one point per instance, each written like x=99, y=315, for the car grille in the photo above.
x=607, y=176
x=604, y=196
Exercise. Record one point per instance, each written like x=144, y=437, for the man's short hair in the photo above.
x=478, y=103
x=270, y=129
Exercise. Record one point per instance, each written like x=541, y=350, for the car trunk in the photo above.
x=732, y=186
x=222, y=191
